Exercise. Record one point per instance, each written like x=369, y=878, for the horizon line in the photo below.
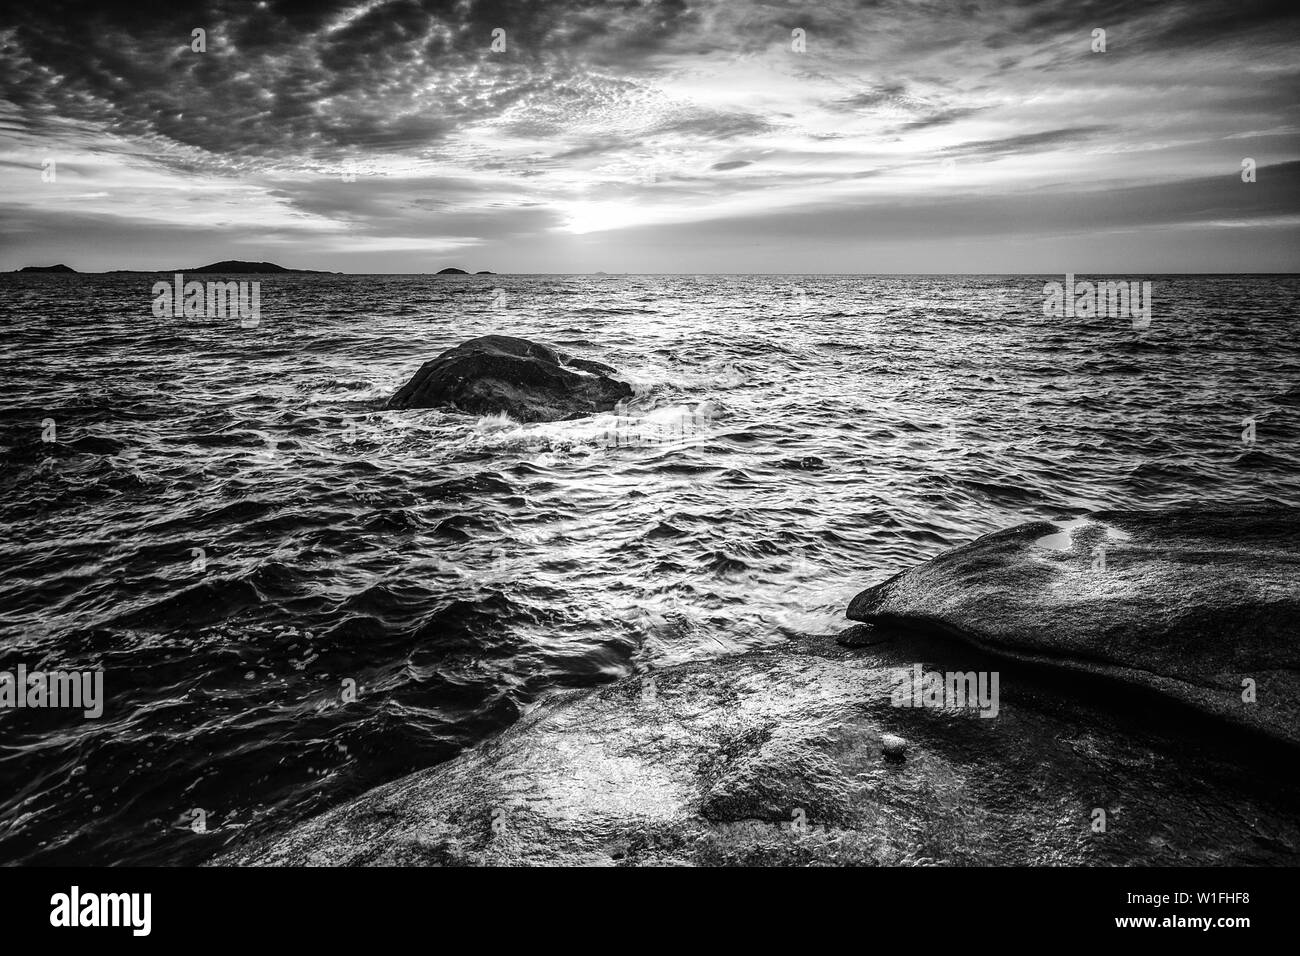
x=42, y=270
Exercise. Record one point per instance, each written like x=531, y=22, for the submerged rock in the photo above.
x=503, y=374
x=806, y=463
x=892, y=745
x=785, y=757
x=1202, y=605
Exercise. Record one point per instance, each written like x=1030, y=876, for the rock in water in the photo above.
x=893, y=746
x=784, y=757
x=1202, y=605
x=525, y=380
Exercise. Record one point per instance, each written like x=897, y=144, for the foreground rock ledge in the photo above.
x=716, y=763
x=1201, y=605
x=530, y=382
x=1120, y=695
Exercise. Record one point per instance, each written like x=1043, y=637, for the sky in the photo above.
x=665, y=136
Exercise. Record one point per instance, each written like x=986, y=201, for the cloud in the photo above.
x=1027, y=142
x=941, y=118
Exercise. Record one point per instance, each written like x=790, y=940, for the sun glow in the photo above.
x=583, y=217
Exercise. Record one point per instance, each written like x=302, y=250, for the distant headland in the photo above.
x=225, y=267
x=59, y=268
x=238, y=265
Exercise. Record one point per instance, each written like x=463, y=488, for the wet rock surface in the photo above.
x=530, y=382
x=1201, y=605
x=788, y=757
x=1114, y=649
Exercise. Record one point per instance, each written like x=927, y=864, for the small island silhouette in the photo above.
x=225, y=267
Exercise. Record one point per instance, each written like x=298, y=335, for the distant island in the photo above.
x=238, y=265
x=227, y=267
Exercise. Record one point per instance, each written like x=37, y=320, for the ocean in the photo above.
x=295, y=595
